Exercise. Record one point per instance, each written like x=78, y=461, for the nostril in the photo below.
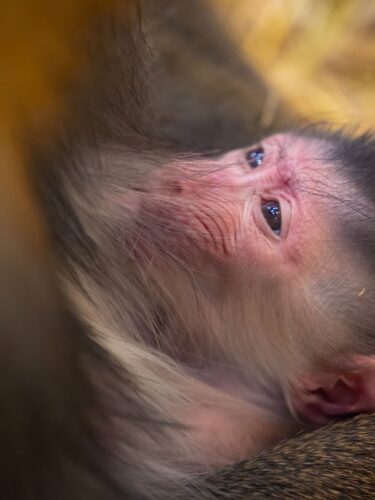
x=255, y=157
x=174, y=187
x=165, y=185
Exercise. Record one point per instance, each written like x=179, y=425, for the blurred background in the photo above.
x=259, y=65
x=316, y=55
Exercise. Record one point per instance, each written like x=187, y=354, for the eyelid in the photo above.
x=251, y=156
x=286, y=214
x=271, y=211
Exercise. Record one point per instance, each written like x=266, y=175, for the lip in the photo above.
x=286, y=215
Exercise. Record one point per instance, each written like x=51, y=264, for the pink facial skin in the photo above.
x=214, y=207
x=219, y=202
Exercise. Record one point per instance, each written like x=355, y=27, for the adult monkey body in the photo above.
x=324, y=464
x=35, y=489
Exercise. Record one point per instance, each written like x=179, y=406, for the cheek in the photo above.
x=215, y=213
x=227, y=231
x=256, y=253
x=214, y=226
x=220, y=226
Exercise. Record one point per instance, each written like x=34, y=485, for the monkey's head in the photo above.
x=278, y=241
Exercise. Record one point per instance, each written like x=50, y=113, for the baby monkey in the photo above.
x=255, y=301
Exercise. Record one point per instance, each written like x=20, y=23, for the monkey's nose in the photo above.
x=174, y=187
x=165, y=184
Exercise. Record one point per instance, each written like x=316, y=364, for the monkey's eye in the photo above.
x=272, y=214
x=255, y=157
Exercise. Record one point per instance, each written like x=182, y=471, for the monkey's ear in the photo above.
x=327, y=396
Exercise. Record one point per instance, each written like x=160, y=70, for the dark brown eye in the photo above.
x=272, y=214
x=255, y=157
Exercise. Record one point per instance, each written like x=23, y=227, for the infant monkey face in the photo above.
x=250, y=207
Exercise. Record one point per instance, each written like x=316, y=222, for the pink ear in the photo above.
x=326, y=396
